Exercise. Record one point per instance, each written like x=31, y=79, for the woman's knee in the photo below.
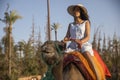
x=87, y=55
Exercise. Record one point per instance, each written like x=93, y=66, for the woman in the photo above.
x=79, y=34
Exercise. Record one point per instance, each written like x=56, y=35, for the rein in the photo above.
x=58, y=50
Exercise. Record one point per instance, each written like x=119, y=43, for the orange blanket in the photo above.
x=98, y=68
x=103, y=65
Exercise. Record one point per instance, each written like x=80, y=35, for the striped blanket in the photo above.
x=84, y=67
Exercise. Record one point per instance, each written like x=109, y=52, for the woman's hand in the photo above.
x=78, y=41
x=66, y=40
x=72, y=39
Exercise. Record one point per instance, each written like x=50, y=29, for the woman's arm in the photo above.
x=87, y=32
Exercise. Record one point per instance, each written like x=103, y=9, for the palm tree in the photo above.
x=55, y=27
x=10, y=19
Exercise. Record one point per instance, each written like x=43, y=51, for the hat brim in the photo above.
x=70, y=9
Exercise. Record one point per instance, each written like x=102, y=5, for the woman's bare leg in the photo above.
x=92, y=64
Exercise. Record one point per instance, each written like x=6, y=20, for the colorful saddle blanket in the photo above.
x=82, y=64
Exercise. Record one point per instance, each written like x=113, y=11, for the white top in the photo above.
x=77, y=31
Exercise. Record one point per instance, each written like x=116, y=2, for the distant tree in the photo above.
x=1, y=48
x=99, y=44
x=116, y=60
x=5, y=43
x=94, y=42
x=104, y=44
x=3, y=68
x=55, y=27
x=27, y=58
x=109, y=48
x=39, y=41
x=10, y=19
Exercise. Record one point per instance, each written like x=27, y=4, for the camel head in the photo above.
x=52, y=51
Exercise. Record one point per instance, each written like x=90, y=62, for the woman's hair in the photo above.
x=83, y=14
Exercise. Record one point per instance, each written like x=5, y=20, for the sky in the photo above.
x=102, y=13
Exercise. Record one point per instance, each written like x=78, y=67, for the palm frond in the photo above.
x=55, y=26
x=13, y=16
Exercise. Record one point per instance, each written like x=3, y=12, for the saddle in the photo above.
x=76, y=61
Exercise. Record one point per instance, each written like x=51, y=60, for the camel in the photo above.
x=62, y=66
x=53, y=53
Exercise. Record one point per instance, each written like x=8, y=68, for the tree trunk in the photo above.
x=55, y=35
x=10, y=46
x=48, y=11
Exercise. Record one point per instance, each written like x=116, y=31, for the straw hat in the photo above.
x=70, y=8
